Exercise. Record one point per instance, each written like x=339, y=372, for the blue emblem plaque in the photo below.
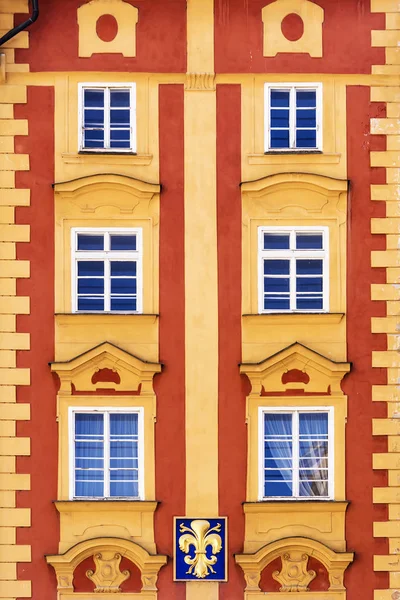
x=200, y=549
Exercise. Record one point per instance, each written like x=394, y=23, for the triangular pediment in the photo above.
x=296, y=368
x=106, y=367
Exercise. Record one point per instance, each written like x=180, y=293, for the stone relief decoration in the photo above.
x=294, y=576
x=200, y=544
x=108, y=576
x=294, y=554
x=303, y=18
x=107, y=554
x=107, y=26
x=296, y=368
x=87, y=372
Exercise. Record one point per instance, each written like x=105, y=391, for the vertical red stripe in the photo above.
x=42, y=465
x=170, y=385
x=232, y=441
x=360, y=444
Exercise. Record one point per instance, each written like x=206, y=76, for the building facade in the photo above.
x=199, y=285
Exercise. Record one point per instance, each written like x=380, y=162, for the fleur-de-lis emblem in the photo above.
x=200, y=535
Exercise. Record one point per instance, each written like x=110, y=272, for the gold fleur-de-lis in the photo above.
x=200, y=535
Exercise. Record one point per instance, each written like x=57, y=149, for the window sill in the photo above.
x=87, y=519
x=268, y=521
x=293, y=318
x=293, y=156
x=113, y=158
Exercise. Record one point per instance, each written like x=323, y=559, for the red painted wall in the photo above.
x=346, y=39
x=170, y=385
x=232, y=434
x=360, y=478
x=43, y=535
x=160, y=40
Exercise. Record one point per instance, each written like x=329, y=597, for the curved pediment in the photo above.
x=106, y=367
x=294, y=553
x=296, y=368
x=107, y=181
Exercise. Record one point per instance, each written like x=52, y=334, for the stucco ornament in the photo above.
x=294, y=576
x=107, y=576
x=200, y=535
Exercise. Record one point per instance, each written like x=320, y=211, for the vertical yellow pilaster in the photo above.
x=389, y=359
x=12, y=269
x=201, y=286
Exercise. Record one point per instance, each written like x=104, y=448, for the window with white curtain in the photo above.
x=106, y=453
x=293, y=269
x=107, y=117
x=106, y=270
x=296, y=453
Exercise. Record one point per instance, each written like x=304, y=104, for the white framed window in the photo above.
x=293, y=117
x=107, y=117
x=296, y=453
x=106, y=453
x=293, y=269
x=106, y=270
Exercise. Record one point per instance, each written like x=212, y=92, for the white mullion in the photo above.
x=106, y=430
x=107, y=117
x=295, y=454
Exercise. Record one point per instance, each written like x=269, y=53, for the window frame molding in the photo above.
x=139, y=410
x=292, y=276
x=133, y=125
x=139, y=262
x=330, y=410
x=318, y=87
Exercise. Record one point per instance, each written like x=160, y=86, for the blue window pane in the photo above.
x=281, y=449
x=88, y=489
x=313, y=488
x=276, y=475
x=280, y=98
x=274, y=284
x=279, y=138
x=306, y=118
x=120, y=135
x=123, y=449
x=276, y=241
x=309, y=241
x=306, y=98
x=276, y=267
x=120, y=118
x=280, y=488
x=309, y=267
x=89, y=475
x=93, y=98
x=91, y=286
x=91, y=304
x=279, y=424
x=279, y=118
x=90, y=242
x=270, y=463
x=309, y=284
x=316, y=450
x=89, y=463
x=122, y=475
x=273, y=303
x=124, y=304
x=124, y=424
x=89, y=449
x=120, y=144
x=306, y=138
x=94, y=118
x=124, y=489
x=123, y=268
x=309, y=303
x=120, y=98
x=124, y=463
x=94, y=268
x=123, y=242
x=314, y=423
x=94, y=139
x=89, y=424
x=123, y=286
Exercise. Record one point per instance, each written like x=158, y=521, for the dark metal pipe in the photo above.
x=24, y=25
